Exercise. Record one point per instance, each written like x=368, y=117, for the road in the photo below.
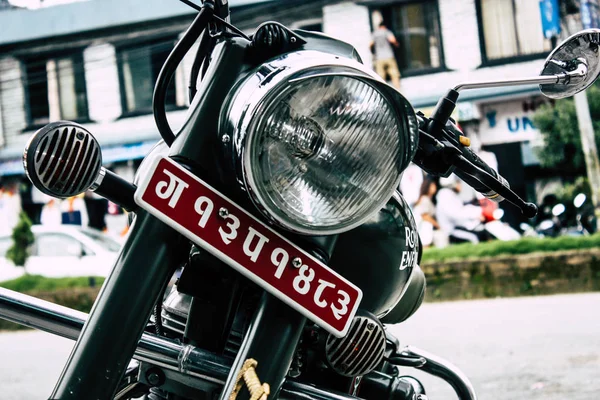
x=534, y=348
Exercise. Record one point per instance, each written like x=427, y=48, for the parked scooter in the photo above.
x=585, y=217
x=497, y=228
x=576, y=219
x=492, y=227
x=477, y=221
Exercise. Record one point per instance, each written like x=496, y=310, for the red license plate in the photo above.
x=219, y=226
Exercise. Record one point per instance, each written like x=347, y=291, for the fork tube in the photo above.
x=120, y=313
x=271, y=340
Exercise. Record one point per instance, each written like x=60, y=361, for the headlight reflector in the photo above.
x=322, y=148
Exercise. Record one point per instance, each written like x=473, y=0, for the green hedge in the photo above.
x=28, y=283
x=76, y=293
x=521, y=246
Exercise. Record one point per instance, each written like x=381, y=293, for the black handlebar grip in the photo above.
x=489, y=184
x=530, y=210
x=484, y=190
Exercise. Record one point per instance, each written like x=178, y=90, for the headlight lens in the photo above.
x=323, y=151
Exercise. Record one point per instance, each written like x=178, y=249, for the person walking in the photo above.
x=424, y=212
x=10, y=205
x=381, y=45
x=51, y=213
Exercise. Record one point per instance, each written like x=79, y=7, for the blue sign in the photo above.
x=590, y=14
x=550, y=18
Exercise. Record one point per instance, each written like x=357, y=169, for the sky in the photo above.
x=48, y=3
x=39, y=3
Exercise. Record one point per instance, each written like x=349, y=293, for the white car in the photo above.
x=64, y=250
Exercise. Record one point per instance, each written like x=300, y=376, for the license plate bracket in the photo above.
x=219, y=226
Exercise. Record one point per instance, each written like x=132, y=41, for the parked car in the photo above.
x=63, y=250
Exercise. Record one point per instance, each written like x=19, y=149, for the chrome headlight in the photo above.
x=319, y=142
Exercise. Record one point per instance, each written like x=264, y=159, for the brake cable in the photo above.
x=218, y=19
x=198, y=26
x=199, y=60
x=170, y=66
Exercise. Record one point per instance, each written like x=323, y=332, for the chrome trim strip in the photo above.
x=541, y=80
x=99, y=179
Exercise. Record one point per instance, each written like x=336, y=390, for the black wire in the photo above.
x=193, y=5
x=233, y=28
x=211, y=47
x=169, y=68
x=201, y=55
x=217, y=18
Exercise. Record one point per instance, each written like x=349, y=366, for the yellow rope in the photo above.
x=248, y=374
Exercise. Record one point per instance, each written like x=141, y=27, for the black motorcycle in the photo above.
x=276, y=205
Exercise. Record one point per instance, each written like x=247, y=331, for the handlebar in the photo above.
x=443, y=151
x=474, y=159
x=491, y=184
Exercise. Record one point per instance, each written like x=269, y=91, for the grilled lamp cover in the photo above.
x=62, y=159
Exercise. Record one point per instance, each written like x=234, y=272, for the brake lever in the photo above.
x=443, y=153
x=529, y=210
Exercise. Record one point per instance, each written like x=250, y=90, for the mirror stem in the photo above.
x=539, y=80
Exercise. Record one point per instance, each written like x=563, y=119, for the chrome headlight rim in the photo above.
x=258, y=90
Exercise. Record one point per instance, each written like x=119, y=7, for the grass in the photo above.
x=29, y=283
x=522, y=246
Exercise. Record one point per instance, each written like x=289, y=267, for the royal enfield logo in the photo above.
x=409, y=256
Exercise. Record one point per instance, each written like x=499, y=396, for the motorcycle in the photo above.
x=577, y=219
x=586, y=222
x=275, y=204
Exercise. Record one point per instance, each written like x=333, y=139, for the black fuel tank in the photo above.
x=379, y=255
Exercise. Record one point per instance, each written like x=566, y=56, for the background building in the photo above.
x=96, y=62
x=443, y=43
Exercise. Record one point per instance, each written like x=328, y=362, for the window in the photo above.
x=139, y=67
x=511, y=29
x=58, y=245
x=417, y=30
x=55, y=89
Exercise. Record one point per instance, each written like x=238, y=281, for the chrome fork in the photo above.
x=65, y=322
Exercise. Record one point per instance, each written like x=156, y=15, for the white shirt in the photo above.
x=410, y=185
x=51, y=214
x=452, y=213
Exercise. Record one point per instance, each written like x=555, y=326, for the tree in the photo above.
x=558, y=125
x=22, y=238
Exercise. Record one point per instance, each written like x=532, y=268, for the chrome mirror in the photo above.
x=570, y=68
x=578, y=59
